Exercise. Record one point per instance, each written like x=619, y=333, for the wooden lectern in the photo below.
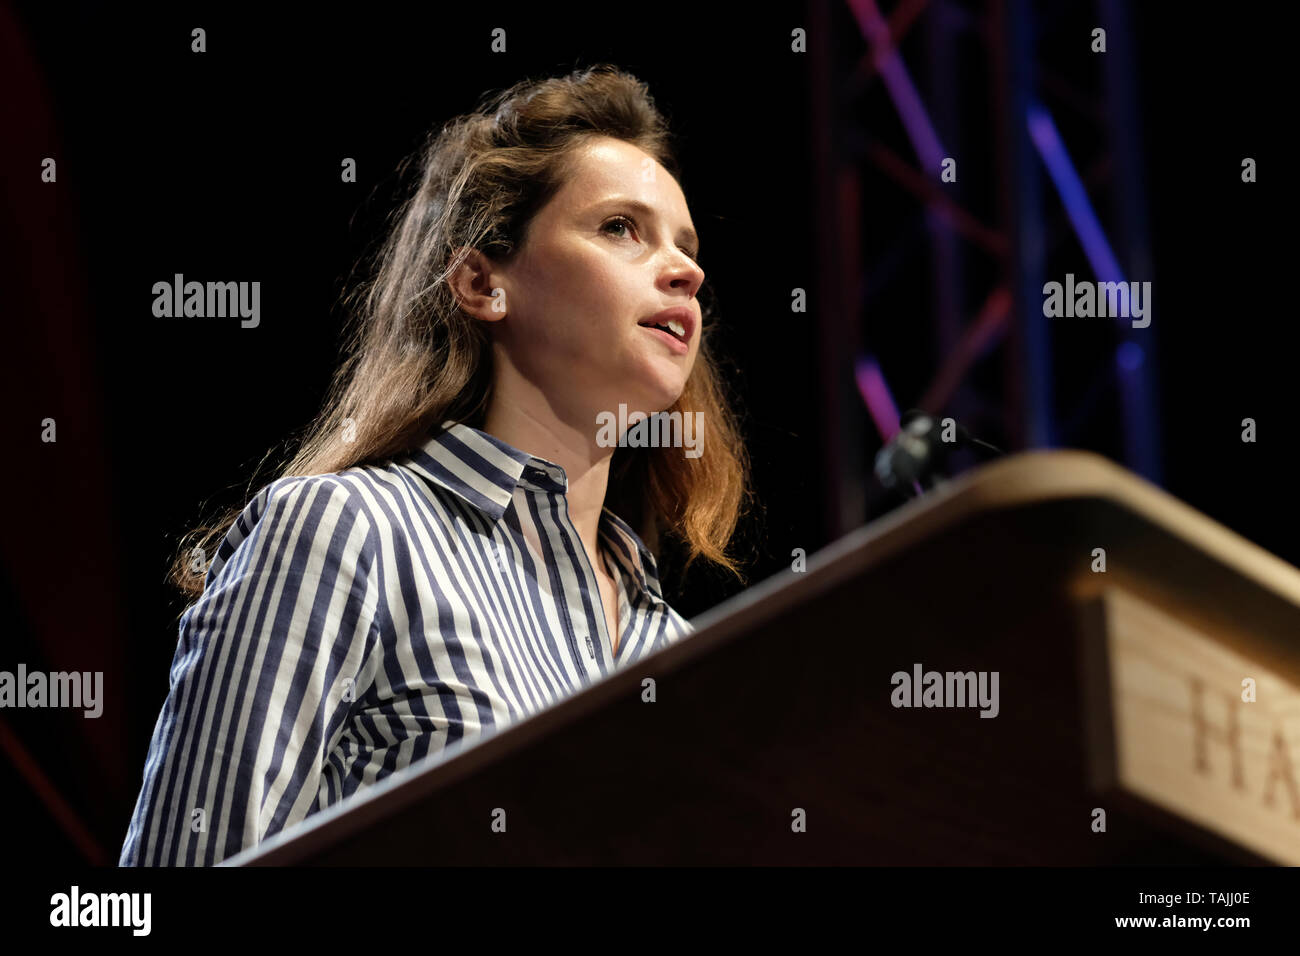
x=1147, y=707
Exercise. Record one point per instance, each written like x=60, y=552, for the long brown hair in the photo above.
x=413, y=359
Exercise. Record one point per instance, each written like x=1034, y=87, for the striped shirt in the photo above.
x=354, y=623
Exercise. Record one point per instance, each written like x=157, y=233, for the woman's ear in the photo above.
x=478, y=285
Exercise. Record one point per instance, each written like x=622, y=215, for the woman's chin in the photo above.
x=660, y=391
x=661, y=400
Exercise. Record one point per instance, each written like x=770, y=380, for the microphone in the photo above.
x=919, y=449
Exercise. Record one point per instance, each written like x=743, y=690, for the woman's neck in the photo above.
x=569, y=445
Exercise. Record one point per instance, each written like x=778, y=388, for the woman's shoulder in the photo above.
x=385, y=501
x=296, y=506
x=390, y=495
x=335, y=492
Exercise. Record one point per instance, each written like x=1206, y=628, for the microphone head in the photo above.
x=911, y=415
x=918, y=449
x=908, y=456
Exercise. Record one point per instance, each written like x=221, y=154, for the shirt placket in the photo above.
x=625, y=627
x=596, y=618
x=598, y=661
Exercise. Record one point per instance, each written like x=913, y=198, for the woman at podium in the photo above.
x=467, y=533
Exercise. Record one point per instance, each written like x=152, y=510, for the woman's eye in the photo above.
x=627, y=222
x=620, y=221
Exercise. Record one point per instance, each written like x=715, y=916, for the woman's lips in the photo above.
x=673, y=342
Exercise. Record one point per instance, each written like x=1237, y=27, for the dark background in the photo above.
x=225, y=165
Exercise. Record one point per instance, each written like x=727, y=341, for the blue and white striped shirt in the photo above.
x=354, y=623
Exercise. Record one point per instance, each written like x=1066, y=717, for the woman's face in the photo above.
x=611, y=249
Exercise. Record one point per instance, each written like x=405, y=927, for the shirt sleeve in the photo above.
x=264, y=677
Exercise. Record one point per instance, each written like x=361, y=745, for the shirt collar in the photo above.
x=485, y=471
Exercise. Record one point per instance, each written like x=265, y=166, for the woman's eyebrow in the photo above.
x=685, y=233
